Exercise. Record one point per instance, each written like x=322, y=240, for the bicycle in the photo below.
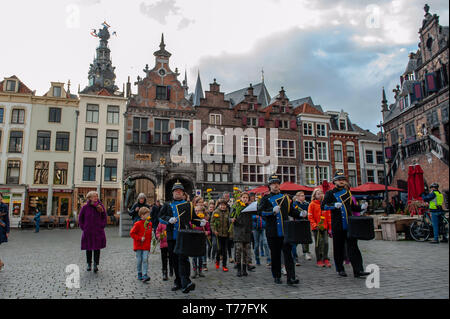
x=422, y=229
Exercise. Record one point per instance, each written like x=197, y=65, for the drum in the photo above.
x=191, y=243
x=361, y=227
x=297, y=232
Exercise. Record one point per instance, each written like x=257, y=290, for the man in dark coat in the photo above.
x=134, y=210
x=154, y=214
x=177, y=215
x=276, y=208
x=339, y=202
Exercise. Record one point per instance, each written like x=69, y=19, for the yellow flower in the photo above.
x=201, y=215
x=216, y=215
x=236, y=189
x=242, y=204
x=209, y=190
x=322, y=217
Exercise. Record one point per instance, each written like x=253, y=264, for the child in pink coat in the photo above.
x=161, y=235
x=198, y=261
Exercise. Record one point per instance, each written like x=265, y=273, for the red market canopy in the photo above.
x=259, y=190
x=289, y=186
x=374, y=188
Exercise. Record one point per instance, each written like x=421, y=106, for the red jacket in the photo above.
x=137, y=232
x=314, y=214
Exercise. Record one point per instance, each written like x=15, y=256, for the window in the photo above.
x=369, y=157
x=342, y=125
x=162, y=134
x=352, y=178
x=284, y=124
x=90, y=140
x=394, y=137
x=40, y=172
x=350, y=153
x=60, y=173
x=13, y=172
x=321, y=130
x=287, y=174
x=380, y=158
x=43, y=141
x=380, y=177
x=162, y=93
x=410, y=131
x=62, y=141
x=15, y=142
x=253, y=173
x=308, y=129
x=111, y=170
x=18, y=116
x=92, y=113
x=182, y=124
x=323, y=174
x=141, y=133
x=252, y=121
x=285, y=148
x=310, y=175
x=370, y=175
x=252, y=146
x=275, y=109
x=338, y=153
x=309, y=150
x=322, y=151
x=218, y=173
x=215, y=144
x=54, y=115
x=2, y=112
x=10, y=85
x=112, y=115
x=57, y=91
x=89, y=169
x=215, y=119
x=112, y=141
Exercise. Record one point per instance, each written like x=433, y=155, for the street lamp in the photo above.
x=101, y=165
x=317, y=160
x=384, y=168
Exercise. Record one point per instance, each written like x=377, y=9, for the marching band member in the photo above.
x=339, y=202
x=177, y=215
x=276, y=208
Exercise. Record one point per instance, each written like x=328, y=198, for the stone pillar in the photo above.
x=49, y=200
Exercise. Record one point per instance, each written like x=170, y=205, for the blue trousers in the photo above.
x=260, y=238
x=435, y=216
x=142, y=261
x=37, y=226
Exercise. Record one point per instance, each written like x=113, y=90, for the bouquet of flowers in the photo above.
x=208, y=194
x=321, y=222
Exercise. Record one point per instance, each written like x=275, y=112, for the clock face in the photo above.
x=107, y=82
x=162, y=72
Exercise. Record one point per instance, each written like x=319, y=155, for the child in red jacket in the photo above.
x=142, y=237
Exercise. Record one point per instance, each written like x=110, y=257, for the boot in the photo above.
x=165, y=278
x=244, y=270
x=89, y=267
x=239, y=273
x=200, y=274
x=95, y=267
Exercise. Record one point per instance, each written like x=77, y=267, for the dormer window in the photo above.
x=342, y=125
x=163, y=93
x=283, y=109
x=56, y=91
x=11, y=85
x=275, y=109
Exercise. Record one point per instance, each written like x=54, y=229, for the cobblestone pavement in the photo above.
x=35, y=268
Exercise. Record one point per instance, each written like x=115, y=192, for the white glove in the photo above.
x=338, y=205
x=364, y=206
x=303, y=213
x=173, y=220
x=202, y=223
x=276, y=209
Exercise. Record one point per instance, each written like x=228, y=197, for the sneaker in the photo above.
x=308, y=256
x=225, y=269
x=320, y=264
x=283, y=271
x=269, y=264
x=217, y=265
x=145, y=278
x=139, y=277
x=434, y=242
x=327, y=263
x=205, y=268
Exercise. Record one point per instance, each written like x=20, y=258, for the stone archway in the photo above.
x=136, y=184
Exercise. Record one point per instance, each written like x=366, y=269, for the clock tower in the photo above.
x=101, y=72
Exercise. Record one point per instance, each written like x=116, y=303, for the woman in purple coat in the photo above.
x=92, y=221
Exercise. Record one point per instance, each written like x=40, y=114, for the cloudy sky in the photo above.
x=339, y=52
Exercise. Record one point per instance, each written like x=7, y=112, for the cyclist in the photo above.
x=436, y=199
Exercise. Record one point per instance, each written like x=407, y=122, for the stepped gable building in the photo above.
x=416, y=123
x=160, y=105
x=100, y=132
x=314, y=124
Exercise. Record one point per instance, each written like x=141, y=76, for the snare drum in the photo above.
x=191, y=243
x=297, y=232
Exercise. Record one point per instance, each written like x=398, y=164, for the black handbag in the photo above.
x=361, y=227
